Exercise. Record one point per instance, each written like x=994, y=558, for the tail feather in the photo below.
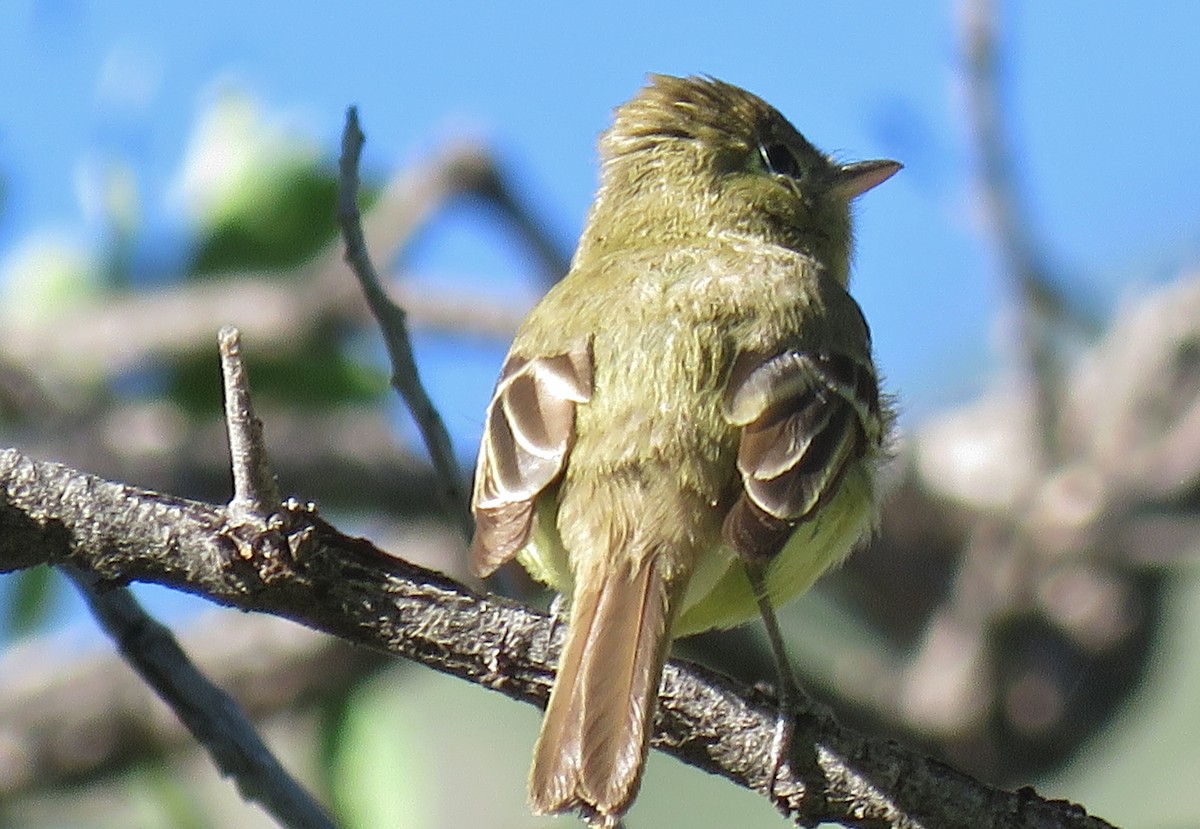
x=555, y=770
x=592, y=748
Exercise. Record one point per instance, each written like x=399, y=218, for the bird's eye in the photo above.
x=780, y=160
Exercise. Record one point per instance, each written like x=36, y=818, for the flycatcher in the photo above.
x=694, y=405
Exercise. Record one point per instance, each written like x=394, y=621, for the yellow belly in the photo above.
x=718, y=594
x=816, y=545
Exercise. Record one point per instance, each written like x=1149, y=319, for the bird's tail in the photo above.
x=593, y=743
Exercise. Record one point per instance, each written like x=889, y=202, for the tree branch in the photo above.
x=303, y=569
x=1044, y=306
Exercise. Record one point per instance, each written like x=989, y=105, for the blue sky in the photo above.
x=1100, y=95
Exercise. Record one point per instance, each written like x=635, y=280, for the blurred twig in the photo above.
x=1047, y=621
x=22, y=396
x=1006, y=636
x=1043, y=304
x=69, y=713
x=348, y=458
x=213, y=717
x=79, y=344
x=391, y=317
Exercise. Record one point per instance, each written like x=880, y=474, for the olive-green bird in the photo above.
x=696, y=394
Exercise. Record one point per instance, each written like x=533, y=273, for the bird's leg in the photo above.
x=789, y=693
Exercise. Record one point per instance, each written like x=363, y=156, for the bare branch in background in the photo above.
x=99, y=338
x=1043, y=306
x=67, y=715
x=349, y=457
x=212, y=716
x=22, y=396
x=1050, y=613
x=1009, y=589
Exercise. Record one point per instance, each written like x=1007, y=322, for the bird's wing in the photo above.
x=805, y=416
x=528, y=433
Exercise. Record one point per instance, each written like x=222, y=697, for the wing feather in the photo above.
x=805, y=417
x=528, y=433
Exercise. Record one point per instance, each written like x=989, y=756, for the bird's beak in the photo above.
x=852, y=180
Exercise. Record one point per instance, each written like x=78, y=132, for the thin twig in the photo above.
x=212, y=716
x=406, y=378
x=549, y=250
x=255, y=490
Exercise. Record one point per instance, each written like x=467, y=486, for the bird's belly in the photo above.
x=719, y=594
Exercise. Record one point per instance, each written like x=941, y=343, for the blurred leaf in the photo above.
x=260, y=192
x=377, y=778
x=290, y=220
x=333, y=716
x=163, y=800
x=419, y=748
x=44, y=273
x=30, y=598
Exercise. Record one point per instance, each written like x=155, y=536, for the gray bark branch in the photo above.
x=303, y=569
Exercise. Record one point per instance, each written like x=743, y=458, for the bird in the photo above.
x=689, y=425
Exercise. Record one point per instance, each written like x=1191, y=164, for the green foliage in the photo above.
x=161, y=799
x=1141, y=769
x=378, y=774
x=29, y=600
x=291, y=218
